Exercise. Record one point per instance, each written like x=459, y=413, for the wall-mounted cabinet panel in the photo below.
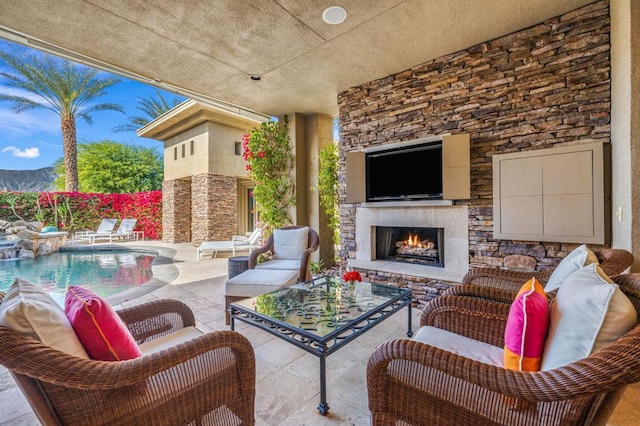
x=521, y=177
x=554, y=194
x=356, y=178
x=520, y=215
x=456, y=167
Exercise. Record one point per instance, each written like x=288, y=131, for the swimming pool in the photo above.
x=105, y=272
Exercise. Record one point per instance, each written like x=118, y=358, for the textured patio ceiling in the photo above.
x=213, y=47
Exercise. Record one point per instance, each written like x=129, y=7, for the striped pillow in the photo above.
x=527, y=327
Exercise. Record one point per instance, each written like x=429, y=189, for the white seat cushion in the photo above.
x=254, y=282
x=290, y=243
x=169, y=340
x=290, y=265
x=460, y=345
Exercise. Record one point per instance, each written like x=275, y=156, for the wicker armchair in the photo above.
x=418, y=384
x=612, y=262
x=304, y=273
x=209, y=379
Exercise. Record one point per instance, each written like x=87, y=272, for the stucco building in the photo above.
x=206, y=192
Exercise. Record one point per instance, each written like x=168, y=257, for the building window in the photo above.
x=191, y=147
x=183, y=150
x=175, y=152
x=238, y=148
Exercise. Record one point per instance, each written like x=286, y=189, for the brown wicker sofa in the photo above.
x=418, y=384
x=209, y=379
x=612, y=262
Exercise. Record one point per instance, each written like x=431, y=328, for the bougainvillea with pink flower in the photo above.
x=72, y=211
x=269, y=158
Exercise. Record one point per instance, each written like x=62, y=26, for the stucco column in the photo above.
x=625, y=125
x=309, y=134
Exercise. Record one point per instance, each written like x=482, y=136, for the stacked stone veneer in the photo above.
x=214, y=207
x=200, y=208
x=176, y=211
x=544, y=86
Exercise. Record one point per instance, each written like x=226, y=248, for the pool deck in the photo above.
x=287, y=383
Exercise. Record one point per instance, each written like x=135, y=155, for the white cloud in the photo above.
x=28, y=122
x=32, y=152
x=12, y=91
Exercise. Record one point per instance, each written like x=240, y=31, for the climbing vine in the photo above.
x=267, y=152
x=328, y=187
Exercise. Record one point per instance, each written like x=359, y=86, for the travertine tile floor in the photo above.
x=287, y=383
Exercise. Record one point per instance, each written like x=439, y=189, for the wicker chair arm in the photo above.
x=505, y=279
x=156, y=318
x=614, y=261
x=253, y=256
x=58, y=368
x=604, y=371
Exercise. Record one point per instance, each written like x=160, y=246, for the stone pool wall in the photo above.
x=29, y=241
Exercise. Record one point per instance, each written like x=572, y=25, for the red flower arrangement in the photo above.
x=352, y=276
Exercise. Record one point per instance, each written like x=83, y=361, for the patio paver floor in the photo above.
x=287, y=382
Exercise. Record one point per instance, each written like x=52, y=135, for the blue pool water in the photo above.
x=104, y=272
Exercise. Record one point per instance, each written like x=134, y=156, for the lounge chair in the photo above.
x=238, y=242
x=124, y=231
x=106, y=226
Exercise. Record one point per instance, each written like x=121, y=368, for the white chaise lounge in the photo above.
x=238, y=242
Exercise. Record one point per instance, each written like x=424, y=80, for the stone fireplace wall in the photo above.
x=544, y=86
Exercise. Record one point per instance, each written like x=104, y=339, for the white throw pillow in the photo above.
x=290, y=243
x=29, y=310
x=589, y=313
x=579, y=257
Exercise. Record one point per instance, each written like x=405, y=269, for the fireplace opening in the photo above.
x=423, y=246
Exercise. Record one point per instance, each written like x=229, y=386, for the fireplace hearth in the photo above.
x=416, y=245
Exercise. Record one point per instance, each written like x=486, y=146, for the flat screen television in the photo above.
x=406, y=173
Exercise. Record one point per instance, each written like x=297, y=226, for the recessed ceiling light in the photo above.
x=255, y=77
x=334, y=15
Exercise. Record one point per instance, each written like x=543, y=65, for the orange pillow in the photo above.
x=527, y=327
x=100, y=330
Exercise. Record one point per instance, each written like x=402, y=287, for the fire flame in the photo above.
x=413, y=241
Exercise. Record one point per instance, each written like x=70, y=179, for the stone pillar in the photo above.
x=176, y=211
x=214, y=207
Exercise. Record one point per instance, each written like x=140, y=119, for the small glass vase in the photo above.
x=348, y=288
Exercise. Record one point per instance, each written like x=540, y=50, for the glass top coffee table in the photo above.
x=322, y=315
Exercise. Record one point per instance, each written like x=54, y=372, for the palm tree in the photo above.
x=152, y=107
x=63, y=87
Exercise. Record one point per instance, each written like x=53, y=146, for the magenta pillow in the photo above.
x=100, y=330
x=527, y=328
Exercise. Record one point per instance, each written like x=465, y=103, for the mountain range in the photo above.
x=27, y=180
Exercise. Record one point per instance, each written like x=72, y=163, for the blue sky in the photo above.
x=33, y=139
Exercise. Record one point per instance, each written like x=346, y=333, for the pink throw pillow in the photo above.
x=100, y=330
x=527, y=328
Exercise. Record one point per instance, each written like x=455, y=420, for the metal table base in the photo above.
x=321, y=346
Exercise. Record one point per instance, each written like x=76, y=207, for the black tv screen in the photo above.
x=408, y=173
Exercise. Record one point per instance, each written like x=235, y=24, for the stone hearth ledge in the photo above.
x=401, y=268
